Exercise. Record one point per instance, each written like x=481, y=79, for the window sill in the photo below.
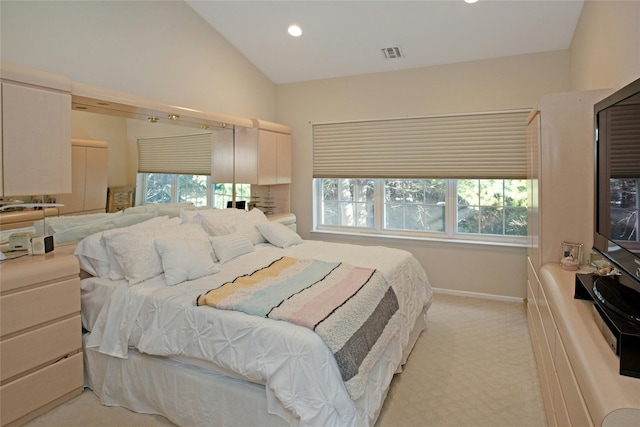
x=406, y=238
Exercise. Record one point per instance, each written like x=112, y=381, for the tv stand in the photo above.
x=579, y=373
x=619, y=327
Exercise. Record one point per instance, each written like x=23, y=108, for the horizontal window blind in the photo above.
x=623, y=141
x=182, y=154
x=483, y=145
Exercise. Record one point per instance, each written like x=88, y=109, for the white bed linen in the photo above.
x=300, y=373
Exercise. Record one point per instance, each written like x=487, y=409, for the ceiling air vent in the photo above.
x=392, y=52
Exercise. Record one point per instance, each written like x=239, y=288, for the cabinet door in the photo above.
x=36, y=140
x=283, y=160
x=222, y=156
x=95, y=191
x=267, y=158
x=73, y=202
x=262, y=157
x=1, y=132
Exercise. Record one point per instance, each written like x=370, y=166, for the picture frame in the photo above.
x=572, y=252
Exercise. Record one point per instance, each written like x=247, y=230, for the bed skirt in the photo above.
x=190, y=395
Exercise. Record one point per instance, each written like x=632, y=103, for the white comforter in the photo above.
x=297, y=368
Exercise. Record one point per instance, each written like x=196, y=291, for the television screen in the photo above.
x=617, y=138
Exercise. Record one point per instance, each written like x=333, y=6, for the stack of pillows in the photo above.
x=137, y=246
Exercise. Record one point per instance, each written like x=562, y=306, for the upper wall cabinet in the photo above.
x=36, y=132
x=263, y=154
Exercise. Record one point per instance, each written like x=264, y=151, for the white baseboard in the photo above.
x=477, y=295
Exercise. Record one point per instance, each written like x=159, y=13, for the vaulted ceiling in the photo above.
x=342, y=38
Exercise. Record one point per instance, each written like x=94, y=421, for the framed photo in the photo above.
x=572, y=252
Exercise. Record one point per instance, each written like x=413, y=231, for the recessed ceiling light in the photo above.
x=470, y=1
x=295, y=31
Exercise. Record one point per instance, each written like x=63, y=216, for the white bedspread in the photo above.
x=297, y=368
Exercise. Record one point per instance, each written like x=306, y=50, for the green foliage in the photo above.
x=484, y=206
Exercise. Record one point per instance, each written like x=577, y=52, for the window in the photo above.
x=480, y=209
x=176, y=169
x=196, y=189
x=625, y=205
x=415, y=204
x=450, y=176
x=348, y=202
x=222, y=194
x=492, y=206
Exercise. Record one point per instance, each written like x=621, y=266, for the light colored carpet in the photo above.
x=472, y=367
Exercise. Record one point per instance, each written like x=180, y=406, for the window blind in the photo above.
x=483, y=145
x=182, y=154
x=623, y=129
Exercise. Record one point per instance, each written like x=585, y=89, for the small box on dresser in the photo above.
x=40, y=334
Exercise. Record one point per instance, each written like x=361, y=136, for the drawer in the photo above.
x=27, y=394
x=548, y=323
x=31, y=271
x=545, y=388
x=573, y=400
x=561, y=415
x=35, y=348
x=35, y=306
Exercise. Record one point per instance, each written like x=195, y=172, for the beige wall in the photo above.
x=605, y=53
x=161, y=50
x=605, y=50
x=498, y=84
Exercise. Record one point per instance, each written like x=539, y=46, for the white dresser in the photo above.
x=40, y=334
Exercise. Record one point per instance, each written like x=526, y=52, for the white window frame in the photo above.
x=449, y=234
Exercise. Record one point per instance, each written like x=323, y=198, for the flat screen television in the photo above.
x=617, y=186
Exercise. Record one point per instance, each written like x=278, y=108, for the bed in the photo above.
x=222, y=317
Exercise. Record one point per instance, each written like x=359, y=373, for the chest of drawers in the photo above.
x=40, y=334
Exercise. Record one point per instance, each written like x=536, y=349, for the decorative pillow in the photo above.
x=135, y=251
x=185, y=259
x=279, y=234
x=93, y=255
x=231, y=246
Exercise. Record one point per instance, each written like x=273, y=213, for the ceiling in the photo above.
x=343, y=38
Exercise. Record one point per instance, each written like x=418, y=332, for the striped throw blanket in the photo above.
x=351, y=308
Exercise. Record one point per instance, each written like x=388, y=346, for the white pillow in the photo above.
x=231, y=246
x=193, y=214
x=135, y=250
x=115, y=270
x=241, y=222
x=185, y=259
x=279, y=234
x=93, y=255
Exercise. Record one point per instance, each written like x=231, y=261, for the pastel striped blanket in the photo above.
x=353, y=309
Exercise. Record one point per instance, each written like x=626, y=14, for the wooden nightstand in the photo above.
x=40, y=334
x=120, y=198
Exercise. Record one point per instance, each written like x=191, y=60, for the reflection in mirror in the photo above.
x=623, y=136
x=123, y=133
